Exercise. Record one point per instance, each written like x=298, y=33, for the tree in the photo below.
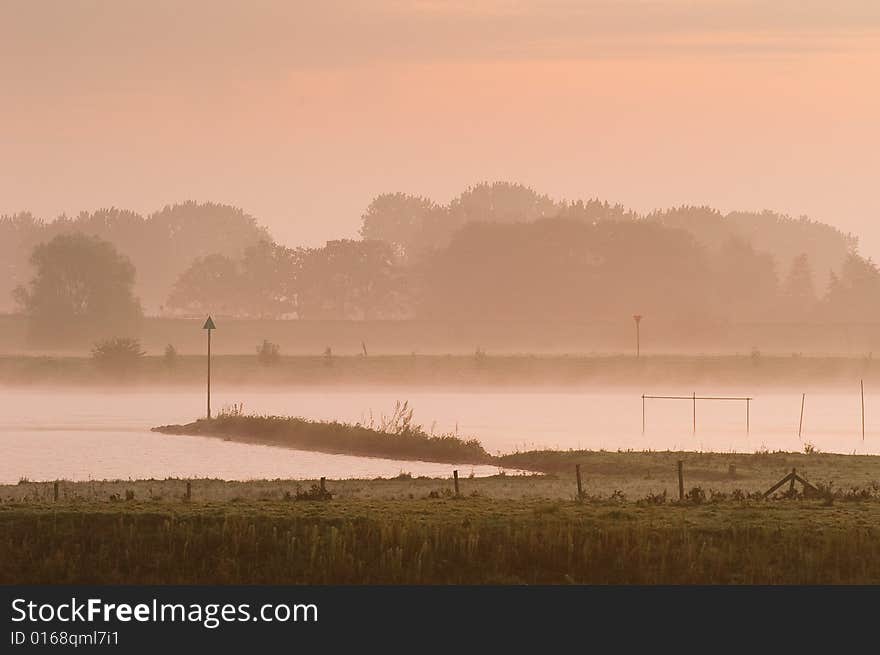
x=564, y=269
x=209, y=285
x=82, y=288
x=745, y=281
x=799, y=292
x=349, y=279
x=269, y=275
x=401, y=220
x=855, y=294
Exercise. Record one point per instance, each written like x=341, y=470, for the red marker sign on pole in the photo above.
x=209, y=325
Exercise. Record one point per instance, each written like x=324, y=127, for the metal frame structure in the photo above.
x=694, y=398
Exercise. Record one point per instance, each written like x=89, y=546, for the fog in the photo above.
x=519, y=217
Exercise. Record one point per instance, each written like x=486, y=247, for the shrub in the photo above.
x=170, y=356
x=315, y=492
x=696, y=496
x=119, y=354
x=268, y=353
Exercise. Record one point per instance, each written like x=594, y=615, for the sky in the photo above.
x=302, y=112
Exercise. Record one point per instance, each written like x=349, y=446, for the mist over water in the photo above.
x=80, y=435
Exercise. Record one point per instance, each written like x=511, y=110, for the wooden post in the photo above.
x=680, y=481
x=862, y=384
x=793, y=478
x=695, y=412
x=801, y=424
x=55, y=490
x=455, y=480
x=577, y=472
x=748, y=415
x=188, y=490
x=323, y=485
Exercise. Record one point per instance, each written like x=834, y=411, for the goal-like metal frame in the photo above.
x=694, y=398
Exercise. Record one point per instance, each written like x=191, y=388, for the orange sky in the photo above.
x=301, y=114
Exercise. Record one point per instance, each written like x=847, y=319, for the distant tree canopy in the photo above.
x=160, y=246
x=497, y=251
x=82, y=288
x=567, y=270
x=346, y=279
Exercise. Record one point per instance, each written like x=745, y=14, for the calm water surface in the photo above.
x=77, y=435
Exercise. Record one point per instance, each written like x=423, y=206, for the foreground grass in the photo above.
x=470, y=540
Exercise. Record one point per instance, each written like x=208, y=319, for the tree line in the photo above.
x=498, y=251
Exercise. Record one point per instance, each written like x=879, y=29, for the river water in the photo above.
x=88, y=434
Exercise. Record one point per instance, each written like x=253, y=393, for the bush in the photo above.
x=119, y=354
x=170, y=356
x=268, y=353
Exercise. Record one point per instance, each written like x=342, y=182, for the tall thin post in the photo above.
x=638, y=319
x=801, y=424
x=209, y=374
x=643, y=414
x=577, y=472
x=209, y=325
x=862, y=384
x=748, y=415
x=455, y=481
x=695, y=412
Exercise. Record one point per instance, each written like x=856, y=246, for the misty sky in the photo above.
x=300, y=112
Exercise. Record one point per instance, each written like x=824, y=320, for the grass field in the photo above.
x=470, y=540
x=523, y=529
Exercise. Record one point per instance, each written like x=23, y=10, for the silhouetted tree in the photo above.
x=210, y=285
x=799, y=292
x=401, y=220
x=269, y=278
x=348, y=279
x=566, y=270
x=82, y=288
x=854, y=295
x=745, y=281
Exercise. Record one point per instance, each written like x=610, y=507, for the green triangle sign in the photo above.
x=209, y=324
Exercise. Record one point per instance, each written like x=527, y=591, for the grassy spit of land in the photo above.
x=397, y=440
x=635, y=473
x=751, y=371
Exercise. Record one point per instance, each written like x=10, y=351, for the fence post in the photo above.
x=801, y=422
x=188, y=490
x=55, y=490
x=680, y=481
x=862, y=385
x=455, y=480
x=793, y=478
x=577, y=471
x=323, y=485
